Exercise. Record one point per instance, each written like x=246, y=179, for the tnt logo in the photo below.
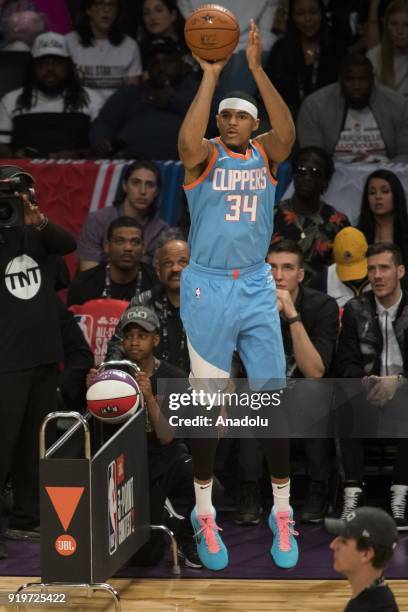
x=85, y=323
x=112, y=508
x=23, y=277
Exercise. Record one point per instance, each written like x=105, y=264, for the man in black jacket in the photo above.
x=373, y=346
x=31, y=345
x=364, y=544
x=309, y=323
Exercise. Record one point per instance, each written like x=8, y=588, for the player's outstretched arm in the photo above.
x=193, y=148
x=278, y=142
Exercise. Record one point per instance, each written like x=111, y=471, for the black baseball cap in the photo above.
x=371, y=524
x=142, y=316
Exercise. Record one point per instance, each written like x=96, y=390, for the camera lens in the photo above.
x=6, y=211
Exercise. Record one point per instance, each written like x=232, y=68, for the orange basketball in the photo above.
x=211, y=32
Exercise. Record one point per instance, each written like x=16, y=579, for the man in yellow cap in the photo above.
x=347, y=277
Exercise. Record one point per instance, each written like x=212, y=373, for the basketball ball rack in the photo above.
x=94, y=511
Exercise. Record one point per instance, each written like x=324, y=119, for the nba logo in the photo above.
x=112, y=508
x=85, y=323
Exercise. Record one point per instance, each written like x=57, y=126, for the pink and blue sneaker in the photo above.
x=284, y=550
x=210, y=548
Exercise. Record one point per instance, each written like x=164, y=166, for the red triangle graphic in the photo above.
x=65, y=501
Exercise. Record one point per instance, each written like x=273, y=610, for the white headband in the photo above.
x=239, y=104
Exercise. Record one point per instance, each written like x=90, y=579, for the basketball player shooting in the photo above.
x=228, y=296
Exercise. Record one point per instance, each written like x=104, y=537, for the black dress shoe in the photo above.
x=248, y=508
x=316, y=504
x=23, y=534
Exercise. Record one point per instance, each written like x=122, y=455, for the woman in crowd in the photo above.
x=307, y=57
x=390, y=58
x=383, y=215
x=162, y=19
x=105, y=57
x=140, y=191
x=307, y=219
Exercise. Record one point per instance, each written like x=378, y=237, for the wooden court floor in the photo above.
x=151, y=595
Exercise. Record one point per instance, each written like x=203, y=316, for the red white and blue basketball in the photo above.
x=113, y=396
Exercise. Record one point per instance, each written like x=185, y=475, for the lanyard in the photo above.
x=107, y=291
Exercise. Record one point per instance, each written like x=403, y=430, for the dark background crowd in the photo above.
x=98, y=79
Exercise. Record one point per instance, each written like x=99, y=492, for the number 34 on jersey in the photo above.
x=241, y=204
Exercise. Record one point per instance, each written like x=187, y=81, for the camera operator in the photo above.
x=31, y=345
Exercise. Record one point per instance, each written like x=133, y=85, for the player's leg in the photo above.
x=284, y=550
x=211, y=343
x=261, y=349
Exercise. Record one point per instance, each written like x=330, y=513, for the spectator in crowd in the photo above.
x=104, y=56
x=390, y=58
x=262, y=12
x=307, y=57
x=31, y=345
x=343, y=18
x=383, y=214
x=372, y=15
x=364, y=544
x=355, y=120
x=21, y=22
x=51, y=114
x=141, y=185
x=144, y=120
x=309, y=323
x=123, y=275
x=347, y=276
x=373, y=346
x=162, y=19
x=305, y=218
x=171, y=257
x=169, y=463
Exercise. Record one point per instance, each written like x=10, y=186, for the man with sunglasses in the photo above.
x=307, y=219
x=123, y=275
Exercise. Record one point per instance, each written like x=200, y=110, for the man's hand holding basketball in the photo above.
x=145, y=386
x=254, y=47
x=214, y=68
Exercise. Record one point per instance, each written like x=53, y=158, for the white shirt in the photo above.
x=391, y=358
x=338, y=290
x=104, y=66
x=360, y=134
x=42, y=104
x=400, y=69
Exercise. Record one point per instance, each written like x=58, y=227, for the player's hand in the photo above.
x=254, y=47
x=214, y=68
x=32, y=214
x=145, y=385
x=287, y=309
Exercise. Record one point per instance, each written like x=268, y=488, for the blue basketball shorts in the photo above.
x=227, y=310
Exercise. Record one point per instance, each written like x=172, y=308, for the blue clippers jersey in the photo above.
x=231, y=208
